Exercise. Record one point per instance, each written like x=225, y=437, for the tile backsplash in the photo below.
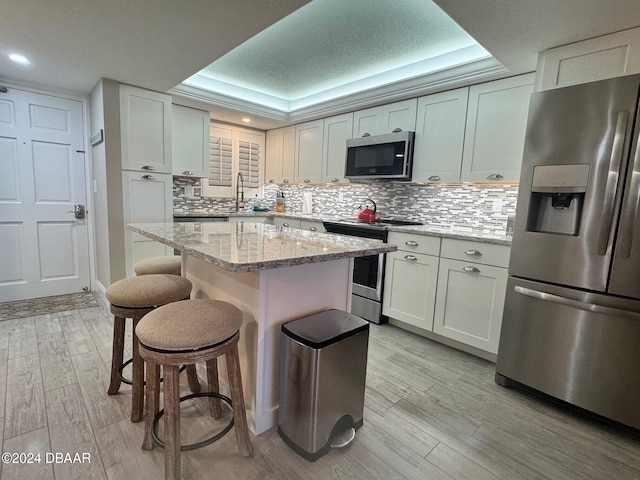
x=475, y=206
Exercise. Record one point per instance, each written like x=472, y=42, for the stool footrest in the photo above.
x=203, y=443
x=123, y=379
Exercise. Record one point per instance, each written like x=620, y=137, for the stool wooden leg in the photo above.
x=151, y=403
x=192, y=376
x=117, y=354
x=171, y=423
x=213, y=385
x=239, y=414
x=137, y=379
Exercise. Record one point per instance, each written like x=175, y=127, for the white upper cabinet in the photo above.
x=440, y=128
x=590, y=60
x=145, y=129
x=308, y=153
x=189, y=142
x=495, y=129
x=280, y=160
x=398, y=116
x=337, y=130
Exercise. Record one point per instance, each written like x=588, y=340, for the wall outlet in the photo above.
x=189, y=191
x=340, y=196
x=496, y=206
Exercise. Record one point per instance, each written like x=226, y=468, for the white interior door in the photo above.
x=42, y=177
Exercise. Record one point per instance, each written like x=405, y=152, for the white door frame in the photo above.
x=84, y=100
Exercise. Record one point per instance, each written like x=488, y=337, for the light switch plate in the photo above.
x=497, y=205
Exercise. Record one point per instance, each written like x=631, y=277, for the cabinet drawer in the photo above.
x=409, y=242
x=477, y=252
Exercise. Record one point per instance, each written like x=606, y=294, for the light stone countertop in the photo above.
x=250, y=246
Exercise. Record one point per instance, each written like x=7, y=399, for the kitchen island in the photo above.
x=273, y=275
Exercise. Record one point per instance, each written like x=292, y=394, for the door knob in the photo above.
x=79, y=211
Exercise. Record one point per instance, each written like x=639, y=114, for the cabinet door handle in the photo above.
x=495, y=176
x=271, y=181
x=475, y=253
x=285, y=180
x=285, y=224
x=306, y=180
x=187, y=172
x=335, y=180
x=411, y=243
x=396, y=130
x=148, y=177
x=148, y=167
x=434, y=178
x=313, y=229
x=410, y=257
x=366, y=134
x=471, y=269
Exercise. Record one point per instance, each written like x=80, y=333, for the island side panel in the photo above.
x=269, y=298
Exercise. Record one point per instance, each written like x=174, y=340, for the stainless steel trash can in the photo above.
x=323, y=365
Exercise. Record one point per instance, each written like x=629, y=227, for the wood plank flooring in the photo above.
x=431, y=412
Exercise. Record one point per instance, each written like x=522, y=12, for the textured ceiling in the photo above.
x=328, y=43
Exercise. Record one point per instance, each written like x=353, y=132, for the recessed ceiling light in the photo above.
x=246, y=120
x=21, y=59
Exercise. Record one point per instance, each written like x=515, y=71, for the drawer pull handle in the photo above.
x=271, y=181
x=313, y=229
x=471, y=269
x=475, y=253
x=335, y=180
x=285, y=224
x=410, y=257
x=187, y=172
x=396, y=130
x=411, y=243
x=435, y=178
x=148, y=177
x=495, y=176
x=286, y=180
x=306, y=180
x=148, y=167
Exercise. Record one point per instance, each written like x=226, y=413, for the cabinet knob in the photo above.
x=411, y=258
x=411, y=243
x=187, y=172
x=271, y=181
x=285, y=224
x=306, y=180
x=366, y=134
x=148, y=177
x=313, y=229
x=148, y=167
x=285, y=180
x=335, y=179
x=435, y=178
x=471, y=269
x=475, y=253
x=396, y=130
x=495, y=176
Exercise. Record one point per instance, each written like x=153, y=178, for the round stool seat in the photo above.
x=171, y=264
x=189, y=325
x=148, y=291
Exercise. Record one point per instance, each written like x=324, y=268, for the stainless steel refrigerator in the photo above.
x=571, y=323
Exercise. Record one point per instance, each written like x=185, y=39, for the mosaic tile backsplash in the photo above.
x=475, y=206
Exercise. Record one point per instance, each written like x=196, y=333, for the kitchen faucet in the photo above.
x=239, y=192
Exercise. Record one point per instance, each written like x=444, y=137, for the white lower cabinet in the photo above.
x=148, y=198
x=411, y=276
x=456, y=291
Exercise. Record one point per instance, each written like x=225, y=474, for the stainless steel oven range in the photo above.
x=368, y=272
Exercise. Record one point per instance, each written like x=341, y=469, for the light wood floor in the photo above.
x=431, y=412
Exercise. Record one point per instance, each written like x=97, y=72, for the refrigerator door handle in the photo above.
x=612, y=182
x=630, y=209
x=570, y=302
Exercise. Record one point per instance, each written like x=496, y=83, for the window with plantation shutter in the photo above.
x=249, y=162
x=220, y=158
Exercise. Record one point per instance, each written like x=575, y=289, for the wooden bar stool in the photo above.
x=188, y=332
x=133, y=298
x=170, y=264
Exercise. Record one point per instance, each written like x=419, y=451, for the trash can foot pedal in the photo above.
x=343, y=438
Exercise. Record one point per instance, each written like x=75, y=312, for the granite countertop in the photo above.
x=250, y=246
x=454, y=231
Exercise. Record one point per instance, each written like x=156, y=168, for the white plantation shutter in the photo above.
x=220, y=158
x=249, y=162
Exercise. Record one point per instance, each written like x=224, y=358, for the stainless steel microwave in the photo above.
x=380, y=157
